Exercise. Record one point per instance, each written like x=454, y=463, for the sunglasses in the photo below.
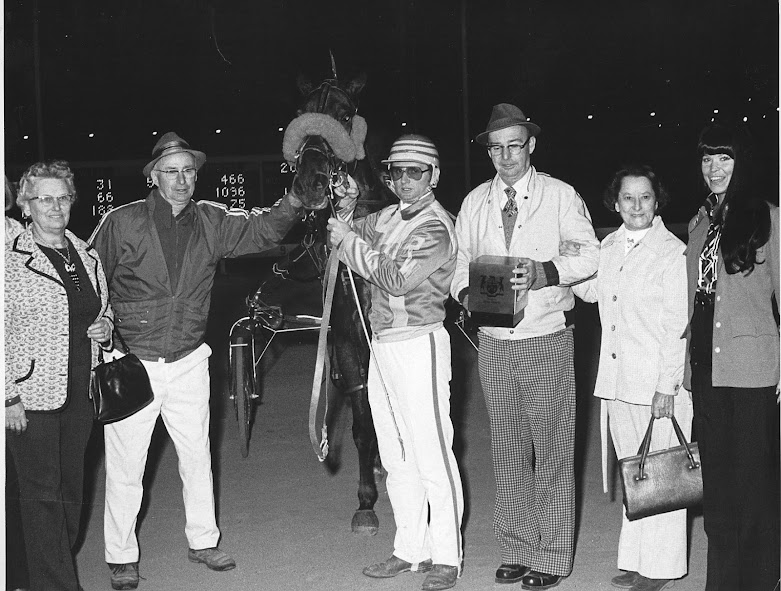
x=413, y=172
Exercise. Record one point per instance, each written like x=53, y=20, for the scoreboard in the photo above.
x=244, y=182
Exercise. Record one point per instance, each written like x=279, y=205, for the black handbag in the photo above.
x=661, y=481
x=119, y=388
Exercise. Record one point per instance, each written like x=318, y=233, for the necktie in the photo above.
x=509, y=212
x=511, y=207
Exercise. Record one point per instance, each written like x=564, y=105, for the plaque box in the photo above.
x=492, y=300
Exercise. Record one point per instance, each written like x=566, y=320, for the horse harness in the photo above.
x=338, y=175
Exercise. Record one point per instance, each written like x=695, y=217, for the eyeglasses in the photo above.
x=413, y=172
x=172, y=174
x=514, y=149
x=48, y=200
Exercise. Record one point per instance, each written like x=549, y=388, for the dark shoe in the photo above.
x=510, y=573
x=646, y=584
x=124, y=576
x=536, y=580
x=625, y=581
x=214, y=558
x=441, y=577
x=395, y=566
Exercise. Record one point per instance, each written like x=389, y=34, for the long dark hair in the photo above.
x=745, y=214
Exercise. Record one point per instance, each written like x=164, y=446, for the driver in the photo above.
x=407, y=252
x=160, y=255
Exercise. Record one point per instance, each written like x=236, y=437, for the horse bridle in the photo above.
x=327, y=86
x=337, y=167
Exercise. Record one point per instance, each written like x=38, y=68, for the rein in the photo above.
x=337, y=175
x=321, y=363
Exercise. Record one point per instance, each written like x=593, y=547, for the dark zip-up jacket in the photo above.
x=157, y=322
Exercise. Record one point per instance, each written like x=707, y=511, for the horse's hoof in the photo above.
x=365, y=522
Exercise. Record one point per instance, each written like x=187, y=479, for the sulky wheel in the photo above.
x=242, y=389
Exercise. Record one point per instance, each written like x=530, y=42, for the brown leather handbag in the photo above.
x=661, y=481
x=119, y=388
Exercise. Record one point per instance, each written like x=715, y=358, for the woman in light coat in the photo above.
x=641, y=291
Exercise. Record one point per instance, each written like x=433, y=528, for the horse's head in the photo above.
x=333, y=98
x=325, y=137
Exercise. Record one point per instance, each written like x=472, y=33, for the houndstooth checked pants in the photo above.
x=529, y=388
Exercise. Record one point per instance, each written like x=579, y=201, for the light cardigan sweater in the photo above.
x=549, y=212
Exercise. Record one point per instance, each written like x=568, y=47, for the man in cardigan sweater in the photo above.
x=527, y=371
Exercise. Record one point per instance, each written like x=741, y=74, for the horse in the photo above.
x=326, y=144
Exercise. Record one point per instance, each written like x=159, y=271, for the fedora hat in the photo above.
x=506, y=115
x=171, y=143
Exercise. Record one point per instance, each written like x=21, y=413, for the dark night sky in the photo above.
x=123, y=70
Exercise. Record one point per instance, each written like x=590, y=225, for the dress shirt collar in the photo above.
x=521, y=187
x=652, y=239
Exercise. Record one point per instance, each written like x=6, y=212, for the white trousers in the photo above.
x=654, y=546
x=182, y=398
x=416, y=373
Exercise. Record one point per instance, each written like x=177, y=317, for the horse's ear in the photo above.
x=356, y=85
x=304, y=84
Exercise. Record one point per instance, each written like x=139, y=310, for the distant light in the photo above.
x=745, y=119
x=528, y=118
x=590, y=117
x=154, y=133
x=27, y=137
x=763, y=117
x=749, y=99
x=92, y=135
x=404, y=124
x=217, y=131
x=281, y=129
x=715, y=110
x=712, y=119
x=653, y=113
x=660, y=125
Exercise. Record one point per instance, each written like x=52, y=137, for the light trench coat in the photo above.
x=642, y=308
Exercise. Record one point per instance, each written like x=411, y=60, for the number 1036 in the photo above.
x=227, y=192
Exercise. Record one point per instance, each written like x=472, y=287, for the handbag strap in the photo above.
x=692, y=462
x=645, y=446
x=124, y=349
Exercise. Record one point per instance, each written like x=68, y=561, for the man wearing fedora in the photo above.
x=160, y=256
x=527, y=371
